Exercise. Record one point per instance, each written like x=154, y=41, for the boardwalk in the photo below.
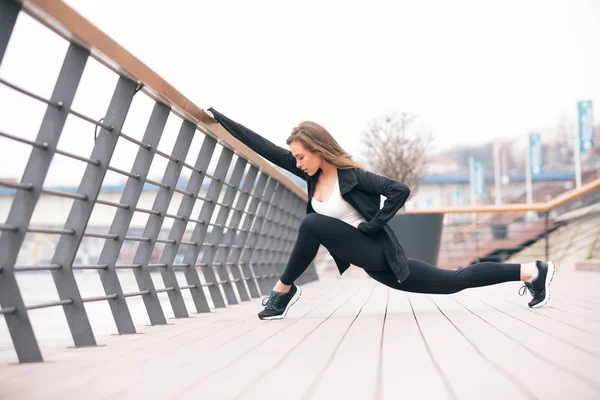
x=348, y=338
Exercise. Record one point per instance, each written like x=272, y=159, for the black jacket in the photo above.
x=360, y=188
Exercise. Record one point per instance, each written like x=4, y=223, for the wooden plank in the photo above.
x=583, y=284
x=459, y=361
x=300, y=370
x=407, y=367
x=580, y=294
x=353, y=372
x=579, y=302
x=583, y=312
x=248, y=369
x=575, y=292
x=574, y=337
x=545, y=368
x=549, y=311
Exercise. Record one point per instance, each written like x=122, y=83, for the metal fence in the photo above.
x=240, y=238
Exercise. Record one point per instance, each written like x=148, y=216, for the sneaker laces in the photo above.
x=270, y=302
x=528, y=286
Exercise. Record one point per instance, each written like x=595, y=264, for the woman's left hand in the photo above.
x=367, y=229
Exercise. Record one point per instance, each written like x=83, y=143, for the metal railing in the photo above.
x=239, y=242
x=566, y=228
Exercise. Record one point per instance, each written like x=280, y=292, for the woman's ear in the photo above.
x=319, y=157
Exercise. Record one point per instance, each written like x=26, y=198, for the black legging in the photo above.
x=364, y=251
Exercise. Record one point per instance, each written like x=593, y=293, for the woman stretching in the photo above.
x=344, y=215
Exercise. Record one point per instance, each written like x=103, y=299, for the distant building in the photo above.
x=442, y=165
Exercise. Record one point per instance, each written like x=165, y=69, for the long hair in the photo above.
x=315, y=138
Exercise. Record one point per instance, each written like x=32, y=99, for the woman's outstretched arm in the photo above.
x=277, y=155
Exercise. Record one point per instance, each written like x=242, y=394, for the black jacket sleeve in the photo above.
x=395, y=192
x=277, y=155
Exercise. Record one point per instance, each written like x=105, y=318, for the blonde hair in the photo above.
x=317, y=139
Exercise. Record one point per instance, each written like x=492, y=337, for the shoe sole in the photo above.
x=549, y=277
x=291, y=303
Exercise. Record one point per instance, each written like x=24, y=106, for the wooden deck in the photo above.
x=347, y=338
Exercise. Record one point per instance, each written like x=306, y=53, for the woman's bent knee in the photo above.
x=311, y=222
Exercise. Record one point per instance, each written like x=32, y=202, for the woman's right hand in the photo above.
x=210, y=114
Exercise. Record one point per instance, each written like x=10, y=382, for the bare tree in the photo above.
x=396, y=148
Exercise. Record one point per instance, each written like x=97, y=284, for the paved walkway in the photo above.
x=347, y=338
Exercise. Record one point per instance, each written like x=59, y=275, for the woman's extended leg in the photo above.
x=425, y=278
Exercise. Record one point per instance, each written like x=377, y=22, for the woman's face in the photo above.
x=308, y=161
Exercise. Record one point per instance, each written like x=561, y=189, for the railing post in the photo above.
x=78, y=218
x=254, y=239
x=20, y=214
x=291, y=231
x=240, y=254
x=216, y=235
x=154, y=224
x=122, y=219
x=297, y=207
x=11, y=301
x=231, y=254
x=178, y=230
x=198, y=235
x=266, y=240
x=277, y=242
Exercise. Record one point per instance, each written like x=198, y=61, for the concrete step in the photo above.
x=588, y=265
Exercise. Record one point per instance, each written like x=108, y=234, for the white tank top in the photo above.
x=337, y=207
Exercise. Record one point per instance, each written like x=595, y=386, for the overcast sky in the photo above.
x=472, y=70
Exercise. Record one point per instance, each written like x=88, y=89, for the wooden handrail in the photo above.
x=540, y=207
x=573, y=194
x=481, y=209
x=69, y=24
